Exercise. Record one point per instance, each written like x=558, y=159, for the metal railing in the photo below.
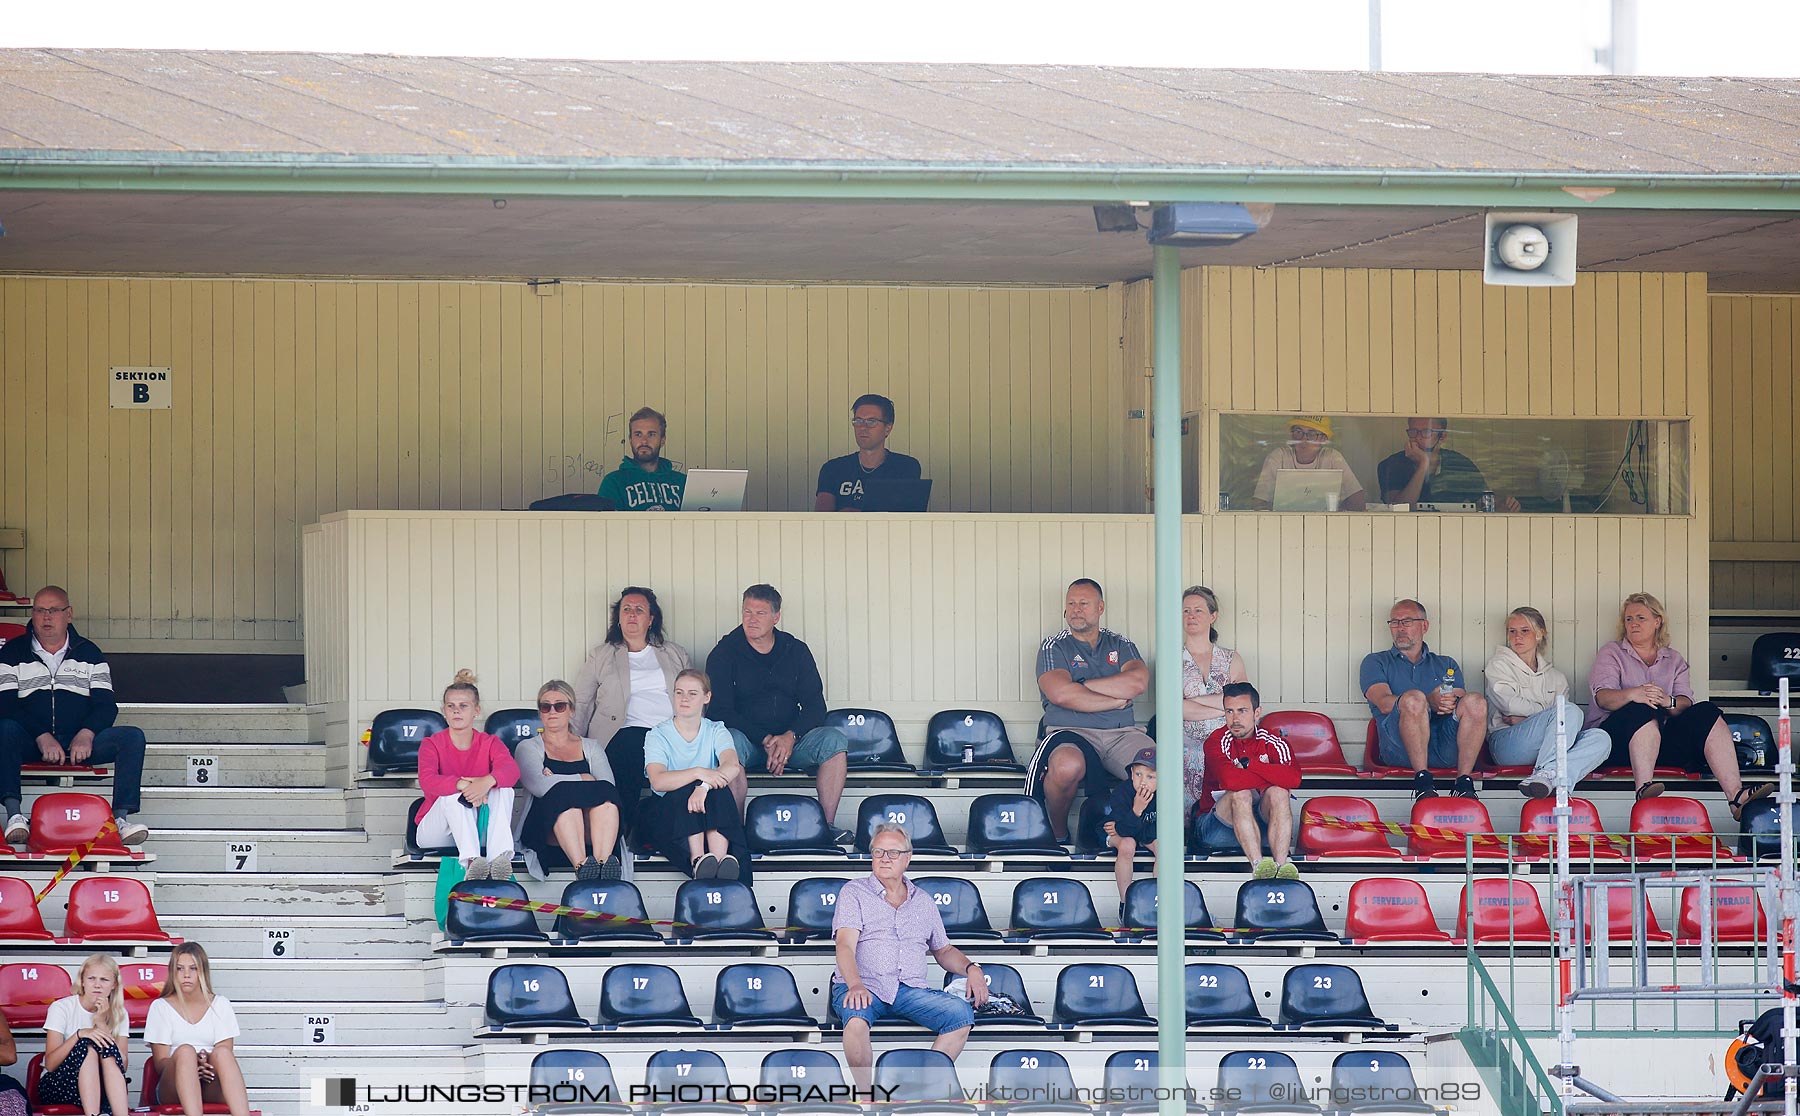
x=1501, y=1052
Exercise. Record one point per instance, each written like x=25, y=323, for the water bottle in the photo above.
x=968, y=753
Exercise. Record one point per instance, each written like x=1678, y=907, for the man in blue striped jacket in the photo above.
x=57, y=706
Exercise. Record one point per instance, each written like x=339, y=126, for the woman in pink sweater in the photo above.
x=460, y=770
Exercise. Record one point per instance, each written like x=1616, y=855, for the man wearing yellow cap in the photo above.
x=1308, y=448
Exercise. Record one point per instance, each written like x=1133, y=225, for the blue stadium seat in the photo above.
x=513, y=726
x=754, y=994
x=523, y=997
x=395, y=736
x=1034, y=1080
x=471, y=922
x=1381, y=1080
x=1140, y=911
x=874, y=743
x=715, y=909
x=1262, y=1083
x=1775, y=655
x=812, y=904
x=1099, y=995
x=638, y=995
x=413, y=848
x=788, y=825
x=1325, y=996
x=585, y=1075
x=915, y=1076
x=1280, y=911
x=981, y=733
x=1754, y=739
x=1011, y=825
x=909, y=810
x=614, y=897
x=1005, y=980
x=1219, y=995
x=1131, y=1079
x=959, y=905
x=1760, y=829
x=1055, y=907
x=1090, y=824
x=810, y=1070
x=679, y=1074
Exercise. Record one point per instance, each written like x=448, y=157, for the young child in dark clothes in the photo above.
x=1133, y=810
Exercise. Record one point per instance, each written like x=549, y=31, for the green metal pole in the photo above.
x=1171, y=937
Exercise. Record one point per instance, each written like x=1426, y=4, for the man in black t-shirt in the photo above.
x=842, y=479
x=1426, y=472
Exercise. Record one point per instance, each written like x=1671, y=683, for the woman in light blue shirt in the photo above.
x=692, y=818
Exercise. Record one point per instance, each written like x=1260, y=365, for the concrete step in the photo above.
x=175, y=808
x=355, y=1023
x=316, y=936
x=295, y=895
x=218, y=724
x=377, y=981
x=237, y=764
x=281, y=851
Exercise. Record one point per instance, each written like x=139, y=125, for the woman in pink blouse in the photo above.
x=1643, y=701
x=460, y=770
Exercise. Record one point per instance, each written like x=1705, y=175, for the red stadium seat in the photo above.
x=27, y=989
x=32, y=1073
x=1487, y=767
x=112, y=909
x=1737, y=916
x=1460, y=815
x=1313, y=740
x=1373, y=768
x=142, y=977
x=1687, y=827
x=1587, y=837
x=1383, y=909
x=1503, y=910
x=1319, y=840
x=1618, y=918
x=19, y=918
x=147, y=1097
x=11, y=631
x=65, y=820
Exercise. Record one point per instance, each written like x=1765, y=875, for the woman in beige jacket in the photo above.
x=623, y=690
x=1522, y=688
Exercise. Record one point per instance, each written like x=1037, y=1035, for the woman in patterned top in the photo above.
x=1205, y=669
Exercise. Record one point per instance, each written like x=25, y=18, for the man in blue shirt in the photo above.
x=1422, y=714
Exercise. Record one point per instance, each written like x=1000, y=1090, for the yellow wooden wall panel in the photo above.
x=534, y=592
x=295, y=399
x=1754, y=351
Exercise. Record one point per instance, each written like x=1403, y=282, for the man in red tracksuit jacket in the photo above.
x=1246, y=794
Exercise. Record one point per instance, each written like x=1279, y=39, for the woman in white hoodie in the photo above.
x=1522, y=688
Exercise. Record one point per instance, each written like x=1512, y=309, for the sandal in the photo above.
x=1651, y=789
x=1746, y=795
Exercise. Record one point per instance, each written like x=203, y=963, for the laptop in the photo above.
x=715, y=490
x=1306, y=490
x=896, y=495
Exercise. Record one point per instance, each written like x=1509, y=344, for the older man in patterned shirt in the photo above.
x=883, y=928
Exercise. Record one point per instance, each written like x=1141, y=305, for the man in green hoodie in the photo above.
x=644, y=480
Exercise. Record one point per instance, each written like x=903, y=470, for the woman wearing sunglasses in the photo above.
x=574, y=799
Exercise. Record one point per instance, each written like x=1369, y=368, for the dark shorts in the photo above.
x=1683, y=735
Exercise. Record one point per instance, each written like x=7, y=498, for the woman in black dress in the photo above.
x=574, y=799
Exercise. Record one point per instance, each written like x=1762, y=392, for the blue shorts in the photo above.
x=811, y=750
x=1213, y=834
x=1440, y=752
x=938, y=1012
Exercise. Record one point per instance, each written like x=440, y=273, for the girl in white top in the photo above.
x=190, y=1032
x=85, y=1048
x=1522, y=688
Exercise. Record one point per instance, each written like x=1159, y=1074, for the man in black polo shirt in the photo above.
x=842, y=479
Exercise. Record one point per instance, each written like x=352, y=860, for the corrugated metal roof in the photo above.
x=453, y=109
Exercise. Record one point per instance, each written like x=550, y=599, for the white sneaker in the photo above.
x=476, y=868
x=133, y=832
x=18, y=830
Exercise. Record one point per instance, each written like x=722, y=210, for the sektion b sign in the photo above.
x=142, y=388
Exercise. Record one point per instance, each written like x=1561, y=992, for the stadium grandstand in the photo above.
x=291, y=345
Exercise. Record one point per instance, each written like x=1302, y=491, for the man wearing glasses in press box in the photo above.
x=842, y=479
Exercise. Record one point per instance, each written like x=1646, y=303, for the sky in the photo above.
x=1713, y=37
